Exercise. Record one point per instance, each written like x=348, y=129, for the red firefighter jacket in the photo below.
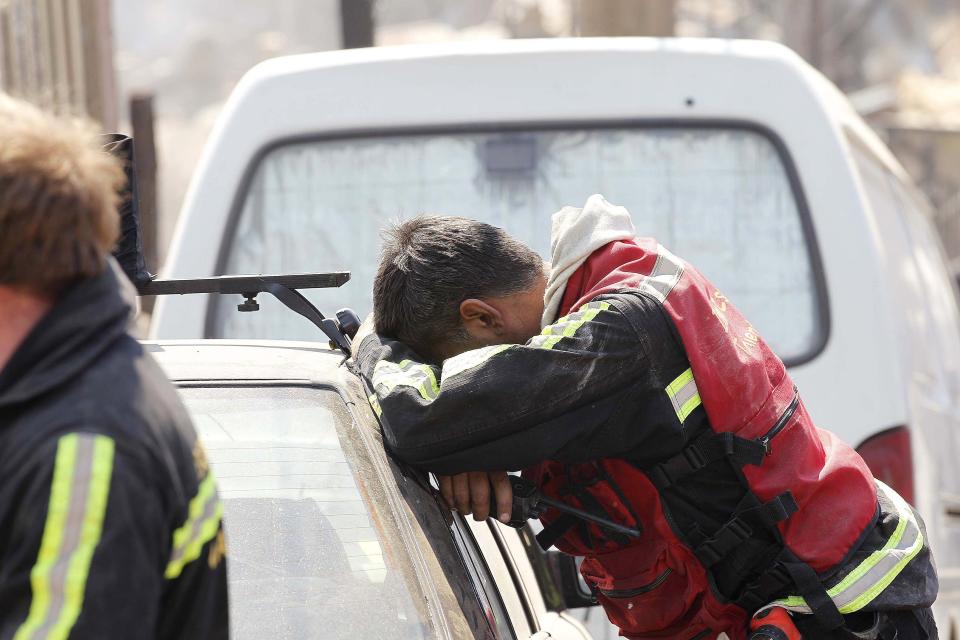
x=656, y=404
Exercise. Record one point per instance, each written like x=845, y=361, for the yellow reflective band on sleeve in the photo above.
x=684, y=395
x=470, y=359
x=388, y=375
x=878, y=570
x=203, y=522
x=422, y=377
x=375, y=404
x=78, y=503
x=567, y=326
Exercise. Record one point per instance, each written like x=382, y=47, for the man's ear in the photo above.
x=481, y=320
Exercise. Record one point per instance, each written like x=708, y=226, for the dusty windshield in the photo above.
x=308, y=556
x=719, y=197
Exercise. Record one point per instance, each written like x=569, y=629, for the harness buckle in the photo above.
x=708, y=555
x=659, y=477
x=694, y=457
x=740, y=529
x=730, y=535
x=729, y=444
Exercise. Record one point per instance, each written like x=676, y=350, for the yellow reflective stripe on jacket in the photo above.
x=684, y=395
x=375, y=404
x=78, y=503
x=470, y=359
x=203, y=522
x=567, y=326
x=388, y=375
x=878, y=570
x=422, y=377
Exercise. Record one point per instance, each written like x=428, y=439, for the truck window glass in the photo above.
x=309, y=543
x=719, y=197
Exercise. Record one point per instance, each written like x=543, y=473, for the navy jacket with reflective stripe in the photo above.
x=95, y=444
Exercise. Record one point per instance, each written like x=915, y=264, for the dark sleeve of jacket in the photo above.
x=89, y=544
x=568, y=394
x=195, y=565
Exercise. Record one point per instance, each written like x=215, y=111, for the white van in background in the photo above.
x=736, y=155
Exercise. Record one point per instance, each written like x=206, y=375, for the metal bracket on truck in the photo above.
x=283, y=287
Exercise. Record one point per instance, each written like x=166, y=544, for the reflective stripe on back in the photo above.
x=684, y=395
x=878, y=570
x=665, y=275
x=78, y=503
x=203, y=521
x=567, y=326
x=470, y=359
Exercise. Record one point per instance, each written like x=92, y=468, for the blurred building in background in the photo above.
x=897, y=60
x=59, y=54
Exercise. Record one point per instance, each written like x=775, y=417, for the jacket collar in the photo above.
x=88, y=317
x=575, y=235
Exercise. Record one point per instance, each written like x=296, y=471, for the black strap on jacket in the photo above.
x=707, y=448
x=740, y=527
x=556, y=530
x=789, y=573
x=815, y=594
x=766, y=587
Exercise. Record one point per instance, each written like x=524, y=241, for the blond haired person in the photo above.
x=109, y=518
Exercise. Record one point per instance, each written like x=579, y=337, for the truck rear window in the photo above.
x=718, y=197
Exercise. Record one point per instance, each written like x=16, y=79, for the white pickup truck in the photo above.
x=735, y=154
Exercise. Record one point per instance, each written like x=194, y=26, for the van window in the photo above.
x=719, y=197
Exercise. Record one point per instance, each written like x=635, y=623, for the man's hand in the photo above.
x=470, y=493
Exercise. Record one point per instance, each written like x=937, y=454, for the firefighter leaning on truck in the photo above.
x=110, y=524
x=650, y=401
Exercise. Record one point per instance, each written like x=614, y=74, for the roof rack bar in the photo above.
x=284, y=288
x=244, y=284
x=296, y=302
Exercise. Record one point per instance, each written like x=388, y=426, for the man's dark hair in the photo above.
x=430, y=264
